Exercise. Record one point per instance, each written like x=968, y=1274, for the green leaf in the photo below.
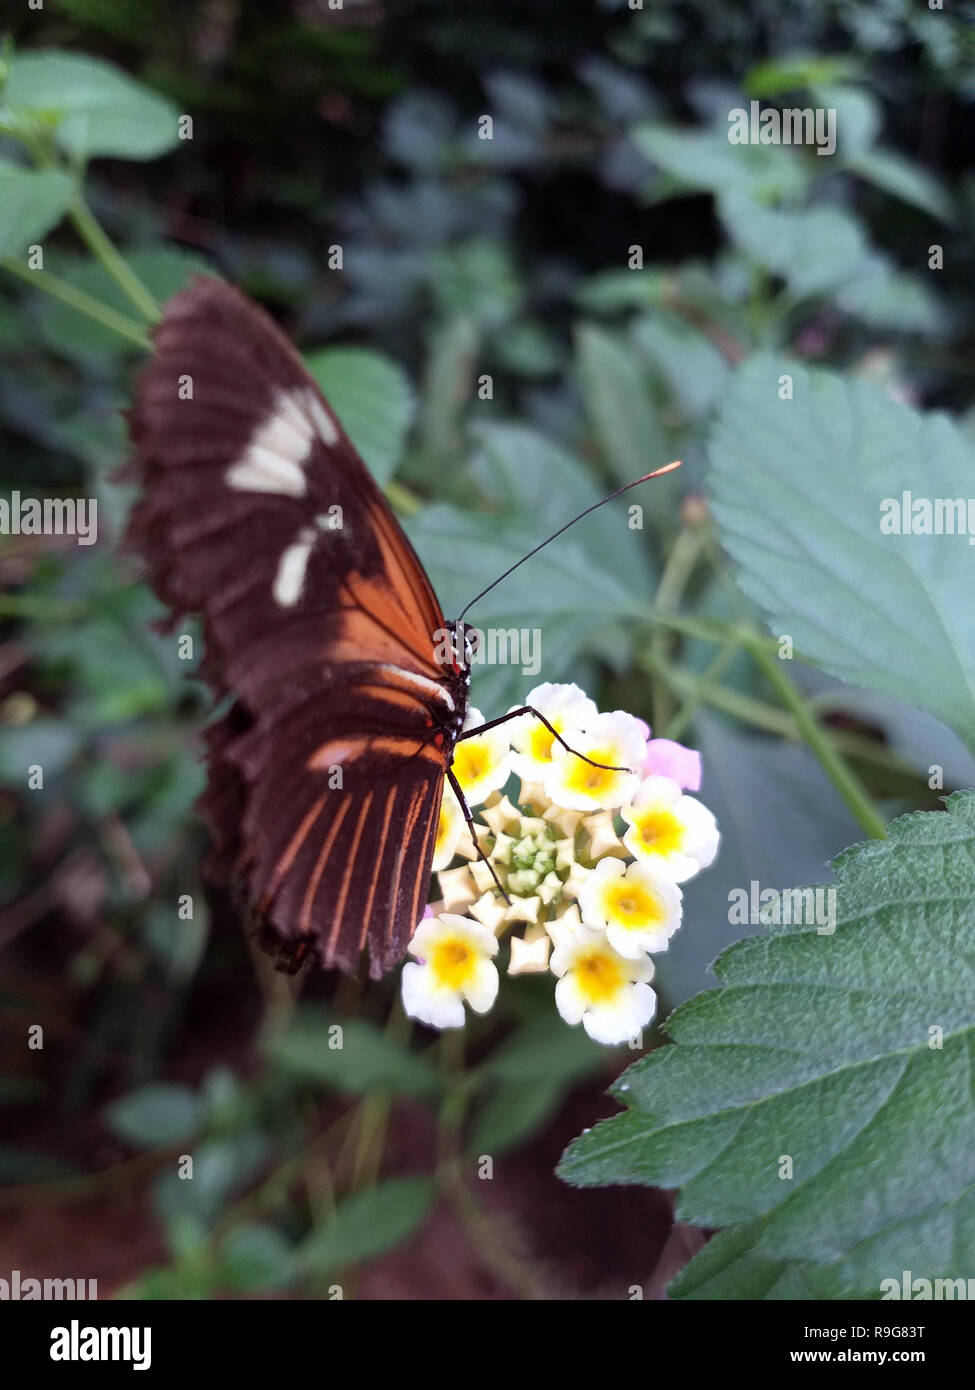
x=799, y=487
x=904, y=180
x=850, y=1053
x=49, y=743
x=32, y=201
x=367, y=1223
x=794, y=72
x=814, y=251
x=102, y=110
x=220, y=1166
x=707, y=160
x=366, y=1060
x=512, y=1113
x=372, y=397
x=781, y=820
x=256, y=1257
x=528, y=1076
x=545, y=1049
x=155, y=1114
x=693, y=368
x=565, y=600
x=618, y=402
x=858, y=116
x=896, y=300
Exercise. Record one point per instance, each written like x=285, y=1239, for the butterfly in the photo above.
x=340, y=702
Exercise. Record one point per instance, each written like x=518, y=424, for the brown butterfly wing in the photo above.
x=256, y=512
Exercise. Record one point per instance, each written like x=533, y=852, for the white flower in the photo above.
x=453, y=963
x=567, y=708
x=604, y=991
x=529, y=954
x=482, y=764
x=617, y=740
x=639, y=910
x=672, y=833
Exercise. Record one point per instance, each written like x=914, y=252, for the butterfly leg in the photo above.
x=459, y=793
x=530, y=709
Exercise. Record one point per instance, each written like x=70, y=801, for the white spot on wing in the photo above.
x=419, y=682
x=275, y=457
x=323, y=421
x=290, y=578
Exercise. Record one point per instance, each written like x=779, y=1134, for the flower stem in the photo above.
x=701, y=688
x=91, y=233
x=844, y=779
x=679, y=566
x=78, y=299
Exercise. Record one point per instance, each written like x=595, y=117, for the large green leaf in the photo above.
x=373, y=398
x=799, y=487
x=577, y=595
x=102, y=111
x=32, y=201
x=850, y=1053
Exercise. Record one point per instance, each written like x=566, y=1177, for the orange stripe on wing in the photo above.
x=307, y=902
x=347, y=874
x=290, y=854
x=337, y=751
x=420, y=887
x=401, y=562
x=383, y=834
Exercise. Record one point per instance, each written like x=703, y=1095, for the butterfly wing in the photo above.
x=256, y=512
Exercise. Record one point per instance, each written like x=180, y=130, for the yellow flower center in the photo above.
x=471, y=762
x=660, y=831
x=633, y=906
x=600, y=977
x=593, y=780
x=452, y=962
x=540, y=742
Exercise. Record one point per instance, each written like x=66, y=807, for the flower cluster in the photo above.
x=591, y=856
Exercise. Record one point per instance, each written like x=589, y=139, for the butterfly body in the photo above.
x=323, y=635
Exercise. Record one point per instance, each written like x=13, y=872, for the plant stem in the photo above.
x=372, y=1117
x=677, y=570
x=504, y=1263
x=77, y=299
x=700, y=689
x=846, y=782
x=91, y=233
x=771, y=718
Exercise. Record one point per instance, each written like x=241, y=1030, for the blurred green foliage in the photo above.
x=517, y=325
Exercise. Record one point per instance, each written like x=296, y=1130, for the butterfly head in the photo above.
x=465, y=639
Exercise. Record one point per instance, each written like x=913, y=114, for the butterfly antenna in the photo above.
x=667, y=468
